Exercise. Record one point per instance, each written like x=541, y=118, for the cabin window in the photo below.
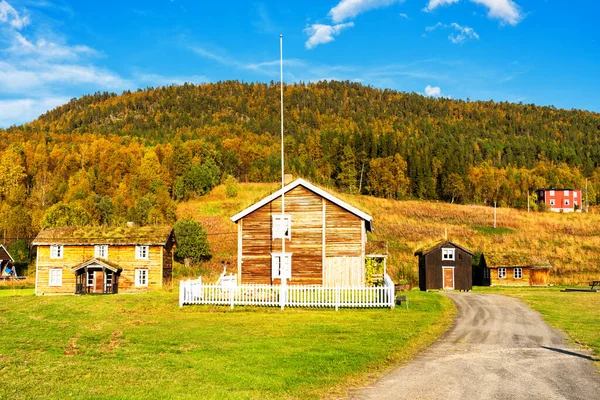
x=101, y=251
x=56, y=251
x=501, y=273
x=55, y=277
x=518, y=273
x=279, y=270
x=141, y=277
x=566, y=192
x=141, y=252
x=552, y=202
x=448, y=254
x=552, y=193
x=91, y=278
x=566, y=202
x=280, y=229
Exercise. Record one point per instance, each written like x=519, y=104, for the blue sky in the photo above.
x=530, y=51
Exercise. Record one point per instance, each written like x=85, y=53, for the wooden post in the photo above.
x=181, y=293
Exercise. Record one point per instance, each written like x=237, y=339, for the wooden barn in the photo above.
x=513, y=269
x=445, y=266
x=103, y=260
x=325, y=239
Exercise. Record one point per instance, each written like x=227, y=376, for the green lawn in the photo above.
x=6, y=292
x=577, y=314
x=144, y=346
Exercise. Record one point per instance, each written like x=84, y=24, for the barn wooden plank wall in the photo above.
x=320, y=230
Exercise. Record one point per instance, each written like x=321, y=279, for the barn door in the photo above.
x=448, y=278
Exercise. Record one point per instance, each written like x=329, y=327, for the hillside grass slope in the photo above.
x=571, y=241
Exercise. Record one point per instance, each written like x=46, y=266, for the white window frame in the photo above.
x=141, y=277
x=90, y=279
x=276, y=270
x=574, y=194
x=101, y=251
x=566, y=192
x=142, y=252
x=448, y=254
x=520, y=274
x=551, y=202
x=277, y=234
x=502, y=273
x=57, y=251
x=552, y=193
x=566, y=202
x=55, y=277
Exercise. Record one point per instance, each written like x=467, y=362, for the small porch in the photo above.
x=96, y=277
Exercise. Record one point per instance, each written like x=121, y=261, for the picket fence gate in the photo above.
x=196, y=292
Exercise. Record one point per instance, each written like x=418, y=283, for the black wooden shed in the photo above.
x=445, y=265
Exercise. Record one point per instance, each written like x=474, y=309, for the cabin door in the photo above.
x=98, y=282
x=448, y=278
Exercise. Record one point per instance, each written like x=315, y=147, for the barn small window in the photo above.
x=518, y=273
x=575, y=194
x=279, y=270
x=566, y=192
x=280, y=229
x=448, y=254
x=56, y=251
x=551, y=202
x=552, y=193
x=55, y=278
x=566, y=202
x=141, y=252
x=501, y=273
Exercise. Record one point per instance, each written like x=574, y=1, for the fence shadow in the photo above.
x=571, y=353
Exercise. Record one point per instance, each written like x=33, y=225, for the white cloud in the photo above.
x=403, y=15
x=347, y=9
x=18, y=111
x=464, y=32
x=321, y=33
x=43, y=48
x=505, y=10
x=11, y=16
x=436, y=3
x=433, y=91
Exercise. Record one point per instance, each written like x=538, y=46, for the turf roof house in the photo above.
x=516, y=269
x=103, y=260
x=445, y=265
x=325, y=239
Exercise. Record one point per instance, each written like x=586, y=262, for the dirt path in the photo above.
x=497, y=349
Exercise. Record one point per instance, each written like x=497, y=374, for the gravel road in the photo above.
x=498, y=348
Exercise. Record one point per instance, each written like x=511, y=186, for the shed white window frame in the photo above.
x=502, y=273
x=276, y=224
x=552, y=193
x=518, y=273
x=57, y=251
x=101, y=251
x=141, y=277
x=277, y=272
x=448, y=254
x=55, y=277
x=142, y=252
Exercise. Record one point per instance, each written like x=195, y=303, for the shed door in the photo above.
x=448, y=278
x=98, y=282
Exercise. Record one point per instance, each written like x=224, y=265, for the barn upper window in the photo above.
x=518, y=273
x=280, y=269
x=566, y=192
x=56, y=251
x=281, y=230
x=574, y=194
x=552, y=193
x=101, y=251
x=448, y=254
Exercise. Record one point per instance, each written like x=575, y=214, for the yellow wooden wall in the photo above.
x=510, y=280
x=320, y=230
x=124, y=256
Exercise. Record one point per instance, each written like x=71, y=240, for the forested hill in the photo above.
x=131, y=156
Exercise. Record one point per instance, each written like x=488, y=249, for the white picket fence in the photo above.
x=196, y=292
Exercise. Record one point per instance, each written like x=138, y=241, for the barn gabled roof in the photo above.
x=152, y=235
x=5, y=255
x=318, y=191
x=100, y=262
x=436, y=245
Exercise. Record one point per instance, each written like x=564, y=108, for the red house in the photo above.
x=560, y=200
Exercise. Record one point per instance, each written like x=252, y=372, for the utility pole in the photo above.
x=361, y=175
x=587, y=203
x=527, y=200
x=282, y=259
x=494, y=215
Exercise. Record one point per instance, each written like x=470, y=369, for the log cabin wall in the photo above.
x=326, y=241
x=539, y=277
x=510, y=279
x=122, y=255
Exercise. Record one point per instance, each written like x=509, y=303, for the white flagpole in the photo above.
x=283, y=225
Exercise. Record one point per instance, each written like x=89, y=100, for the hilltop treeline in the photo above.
x=107, y=158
